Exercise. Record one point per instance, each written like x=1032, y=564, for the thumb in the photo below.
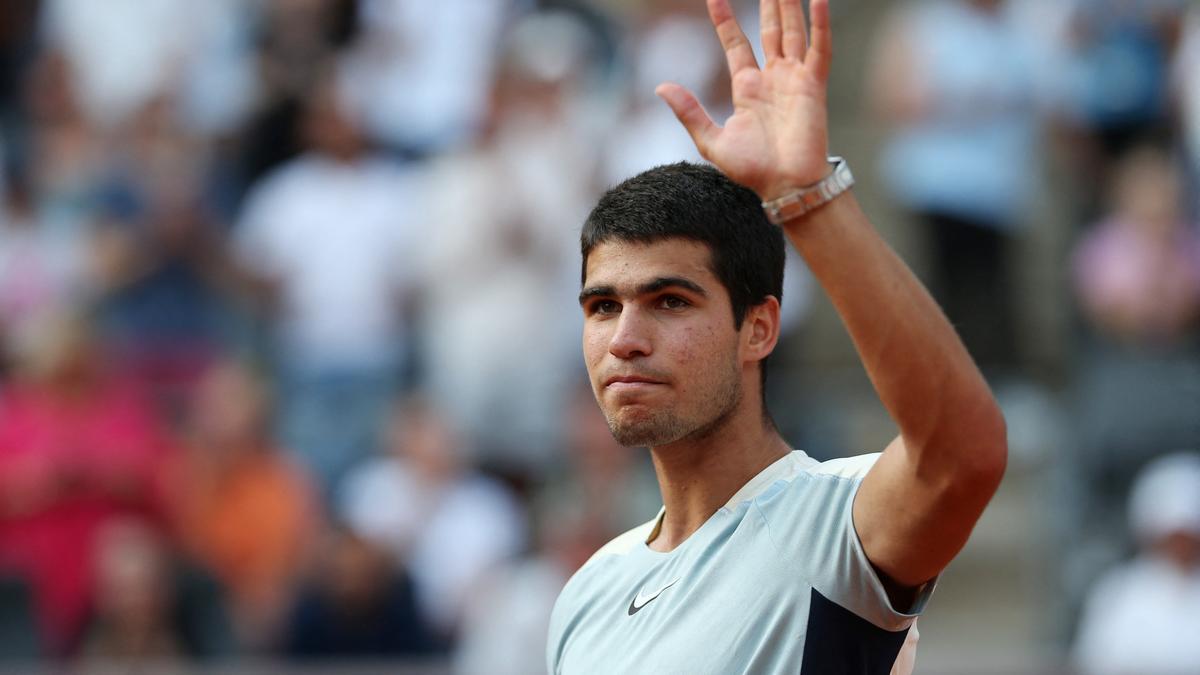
x=690, y=114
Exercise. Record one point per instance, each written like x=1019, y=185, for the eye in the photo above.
x=604, y=307
x=673, y=302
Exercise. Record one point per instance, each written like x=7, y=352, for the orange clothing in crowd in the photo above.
x=248, y=523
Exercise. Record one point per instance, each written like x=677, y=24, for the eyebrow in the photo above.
x=647, y=288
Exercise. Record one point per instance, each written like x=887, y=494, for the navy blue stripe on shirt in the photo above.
x=839, y=642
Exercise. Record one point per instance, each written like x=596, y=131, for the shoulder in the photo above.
x=808, y=508
x=803, y=491
x=785, y=480
x=854, y=468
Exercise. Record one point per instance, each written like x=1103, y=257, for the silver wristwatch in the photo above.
x=799, y=202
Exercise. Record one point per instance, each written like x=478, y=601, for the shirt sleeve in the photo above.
x=810, y=521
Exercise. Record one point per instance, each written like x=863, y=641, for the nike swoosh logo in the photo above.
x=640, y=601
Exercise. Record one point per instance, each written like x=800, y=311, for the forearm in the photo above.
x=920, y=369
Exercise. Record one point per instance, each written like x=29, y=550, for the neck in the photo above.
x=698, y=475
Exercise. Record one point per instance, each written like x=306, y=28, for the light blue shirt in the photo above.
x=776, y=581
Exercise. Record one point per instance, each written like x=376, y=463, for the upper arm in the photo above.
x=913, y=514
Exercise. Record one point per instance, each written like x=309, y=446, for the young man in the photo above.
x=763, y=560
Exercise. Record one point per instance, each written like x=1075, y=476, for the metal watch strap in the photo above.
x=799, y=202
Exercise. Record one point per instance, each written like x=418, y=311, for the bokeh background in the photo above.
x=290, y=378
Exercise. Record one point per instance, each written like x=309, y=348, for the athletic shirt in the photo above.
x=776, y=581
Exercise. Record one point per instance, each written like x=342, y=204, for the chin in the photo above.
x=640, y=438
x=634, y=430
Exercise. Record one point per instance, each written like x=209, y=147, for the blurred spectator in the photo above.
x=504, y=626
x=78, y=448
x=330, y=236
x=1136, y=276
x=1121, y=69
x=126, y=52
x=445, y=523
x=1114, y=84
x=500, y=332
x=66, y=157
x=1047, y=25
x=246, y=511
x=505, y=618
x=673, y=42
x=296, y=39
x=357, y=605
x=132, y=619
x=607, y=490
x=18, y=47
x=169, y=307
x=1187, y=84
x=1137, y=271
x=40, y=267
x=1143, y=617
x=423, y=88
x=144, y=613
x=953, y=80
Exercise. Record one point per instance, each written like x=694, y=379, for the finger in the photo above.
x=690, y=114
x=768, y=13
x=821, y=52
x=795, y=42
x=737, y=48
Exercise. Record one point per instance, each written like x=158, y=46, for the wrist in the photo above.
x=789, y=202
x=785, y=185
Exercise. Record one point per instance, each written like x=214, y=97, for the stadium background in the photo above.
x=290, y=370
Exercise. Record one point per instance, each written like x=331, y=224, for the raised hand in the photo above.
x=777, y=138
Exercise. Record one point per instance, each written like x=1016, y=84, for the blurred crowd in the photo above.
x=288, y=339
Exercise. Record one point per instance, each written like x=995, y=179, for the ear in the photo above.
x=760, y=330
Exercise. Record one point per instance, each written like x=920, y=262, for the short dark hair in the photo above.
x=699, y=203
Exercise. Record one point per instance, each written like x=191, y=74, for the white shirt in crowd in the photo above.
x=126, y=52
x=1142, y=618
x=337, y=237
x=449, y=536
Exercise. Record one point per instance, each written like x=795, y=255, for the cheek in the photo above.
x=698, y=353
x=702, y=344
x=594, y=346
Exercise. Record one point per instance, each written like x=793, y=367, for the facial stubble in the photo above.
x=653, y=427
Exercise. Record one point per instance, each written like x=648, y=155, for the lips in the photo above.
x=630, y=381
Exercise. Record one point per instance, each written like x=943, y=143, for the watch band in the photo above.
x=799, y=202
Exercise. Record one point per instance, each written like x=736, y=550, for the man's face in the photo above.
x=659, y=342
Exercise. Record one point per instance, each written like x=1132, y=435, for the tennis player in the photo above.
x=763, y=560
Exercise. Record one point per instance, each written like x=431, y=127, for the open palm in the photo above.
x=777, y=138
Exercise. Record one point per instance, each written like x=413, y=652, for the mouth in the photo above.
x=631, y=382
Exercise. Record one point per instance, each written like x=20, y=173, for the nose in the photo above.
x=632, y=336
